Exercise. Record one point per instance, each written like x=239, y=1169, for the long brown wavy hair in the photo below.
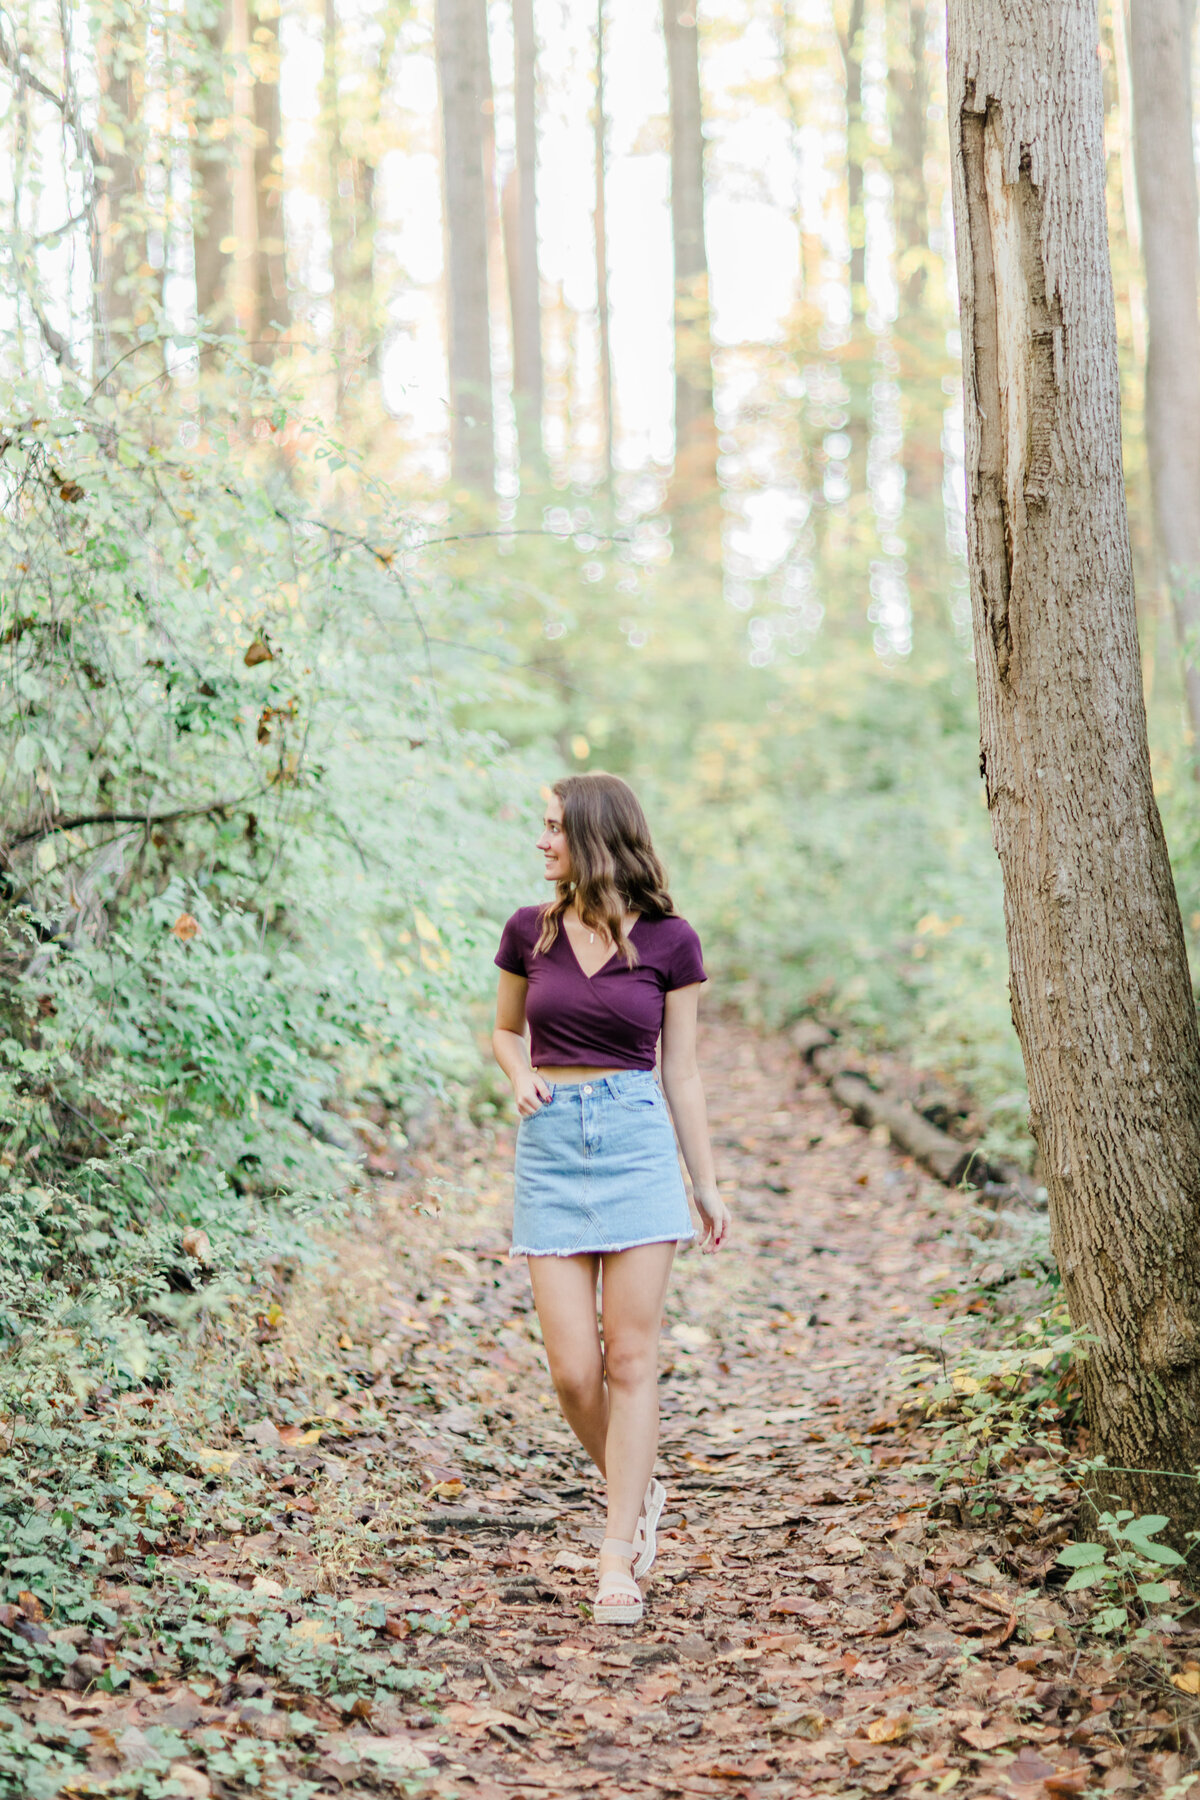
x=614, y=869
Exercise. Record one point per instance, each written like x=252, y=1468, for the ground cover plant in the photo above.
x=378, y=1577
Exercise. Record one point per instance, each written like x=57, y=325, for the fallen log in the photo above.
x=996, y=1180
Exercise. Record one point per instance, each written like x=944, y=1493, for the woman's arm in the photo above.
x=685, y=1095
x=510, y=1047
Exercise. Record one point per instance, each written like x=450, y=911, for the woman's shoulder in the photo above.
x=526, y=922
x=669, y=925
x=670, y=931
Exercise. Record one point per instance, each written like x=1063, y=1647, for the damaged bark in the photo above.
x=1101, y=995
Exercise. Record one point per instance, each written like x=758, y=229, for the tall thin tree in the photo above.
x=1101, y=995
x=695, y=430
x=272, y=301
x=464, y=77
x=600, y=233
x=211, y=30
x=119, y=254
x=850, y=42
x=1160, y=33
x=521, y=243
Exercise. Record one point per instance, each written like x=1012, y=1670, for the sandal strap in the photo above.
x=613, y=1586
x=618, y=1547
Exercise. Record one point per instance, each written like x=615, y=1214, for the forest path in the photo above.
x=807, y=1628
x=392, y=1589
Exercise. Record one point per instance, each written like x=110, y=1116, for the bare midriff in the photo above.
x=564, y=1075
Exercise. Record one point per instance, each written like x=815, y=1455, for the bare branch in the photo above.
x=148, y=820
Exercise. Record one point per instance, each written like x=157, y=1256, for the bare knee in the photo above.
x=631, y=1362
x=577, y=1383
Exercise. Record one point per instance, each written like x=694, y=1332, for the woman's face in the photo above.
x=553, y=842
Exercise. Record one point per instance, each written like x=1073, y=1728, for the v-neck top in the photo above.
x=609, y=1020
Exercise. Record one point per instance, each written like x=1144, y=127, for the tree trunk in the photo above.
x=695, y=430
x=521, y=244
x=851, y=47
x=463, y=73
x=857, y=360
x=119, y=255
x=212, y=169
x=910, y=105
x=1129, y=202
x=600, y=230
x=272, y=302
x=1101, y=996
x=1160, y=52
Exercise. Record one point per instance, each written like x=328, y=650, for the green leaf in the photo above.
x=1081, y=1556
x=1084, y=1578
x=1153, y=1592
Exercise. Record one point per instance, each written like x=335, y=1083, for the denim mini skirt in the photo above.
x=597, y=1170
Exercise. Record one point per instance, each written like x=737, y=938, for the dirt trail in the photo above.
x=808, y=1628
x=410, y=1610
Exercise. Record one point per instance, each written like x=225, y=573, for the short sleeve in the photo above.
x=511, y=954
x=686, y=964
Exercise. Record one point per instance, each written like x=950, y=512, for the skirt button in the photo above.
x=587, y=1090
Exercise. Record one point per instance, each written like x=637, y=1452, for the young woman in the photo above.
x=598, y=975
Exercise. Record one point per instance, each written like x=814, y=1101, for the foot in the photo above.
x=618, y=1598
x=644, y=1538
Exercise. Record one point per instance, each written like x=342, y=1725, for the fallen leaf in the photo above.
x=258, y=651
x=315, y=1631
x=190, y=1783
x=1067, y=1782
x=263, y=1432
x=896, y=1620
x=987, y=1737
x=393, y=1753
x=1188, y=1682
x=195, y=1243
x=448, y=1490
x=1027, y=1767
x=135, y=1748
x=890, y=1730
x=185, y=928
x=31, y=1606
x=294, y=1434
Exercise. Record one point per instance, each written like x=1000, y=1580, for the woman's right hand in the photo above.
x=531, y=1093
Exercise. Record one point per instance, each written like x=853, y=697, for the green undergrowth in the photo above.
x=123, y=1519
x=256, y=856
x=994, y=1389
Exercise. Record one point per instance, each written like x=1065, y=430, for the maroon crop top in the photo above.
x=611, y=1020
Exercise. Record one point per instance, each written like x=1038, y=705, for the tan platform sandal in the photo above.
x=645, y=1540
x=618, y=1599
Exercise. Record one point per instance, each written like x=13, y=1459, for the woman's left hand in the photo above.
x=714, y=1215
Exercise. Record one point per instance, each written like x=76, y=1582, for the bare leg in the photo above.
x=564, y=1292
x=635, y=1287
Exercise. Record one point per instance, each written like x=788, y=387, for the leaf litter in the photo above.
x=396, y=1596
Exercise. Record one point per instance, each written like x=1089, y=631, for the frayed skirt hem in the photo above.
x=668, y=1237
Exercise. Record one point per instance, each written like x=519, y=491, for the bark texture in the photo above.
x=521, y=244
x=464, y=76
x=909, y=90
x=600, y=231
x=1101, y=996
x=211, y=22
x=272, y=302
x=851, y=48
x=1159, y=52
x=695, y=432
x=119, y=254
